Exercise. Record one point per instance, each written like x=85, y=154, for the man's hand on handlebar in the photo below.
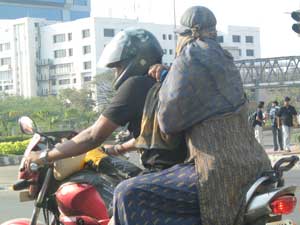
x=34, y=157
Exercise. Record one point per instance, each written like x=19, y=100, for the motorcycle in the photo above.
x=84, y=197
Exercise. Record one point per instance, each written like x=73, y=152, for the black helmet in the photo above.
x=133, y=49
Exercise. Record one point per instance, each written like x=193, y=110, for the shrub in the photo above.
x=14, y=138
x=13, y=148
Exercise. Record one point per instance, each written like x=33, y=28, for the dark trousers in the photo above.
x=277, y=135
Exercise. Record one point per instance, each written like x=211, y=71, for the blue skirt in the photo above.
x=168, y=197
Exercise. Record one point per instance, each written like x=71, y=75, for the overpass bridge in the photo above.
x=270, y=72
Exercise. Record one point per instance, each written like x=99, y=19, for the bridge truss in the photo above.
x=270, y=72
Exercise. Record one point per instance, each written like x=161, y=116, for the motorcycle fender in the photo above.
x=19, y=221
x=259, y=205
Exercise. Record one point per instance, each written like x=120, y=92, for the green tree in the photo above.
x=104, y=89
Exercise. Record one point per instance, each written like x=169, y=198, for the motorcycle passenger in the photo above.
x=131, y=52
x=203, y=97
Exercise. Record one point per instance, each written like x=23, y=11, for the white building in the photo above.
x=70, y=51
x=19, y=49
x=242, y=42
x=39, y=57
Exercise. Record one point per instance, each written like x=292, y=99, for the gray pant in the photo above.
x=277, y=138
x=286, y=132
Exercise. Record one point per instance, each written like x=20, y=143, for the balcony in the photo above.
x=44, y=62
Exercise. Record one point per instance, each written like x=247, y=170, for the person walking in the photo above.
x=276, y=130
x=258, y=123
x=285, y=117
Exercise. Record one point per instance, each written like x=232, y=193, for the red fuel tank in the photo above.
x=81, y=199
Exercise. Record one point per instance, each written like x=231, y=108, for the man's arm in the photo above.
x=295, y=120
x=86, y=140
x=118, y=149
x=278, y=115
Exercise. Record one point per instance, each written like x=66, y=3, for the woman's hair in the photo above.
x=261, y=105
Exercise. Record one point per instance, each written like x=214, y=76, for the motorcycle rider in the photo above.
x=203, y=96
x=131, y=52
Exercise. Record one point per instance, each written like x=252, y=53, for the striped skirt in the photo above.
x=168, y=197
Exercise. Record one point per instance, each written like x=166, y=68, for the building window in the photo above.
x=85, y=33
x=64, y=81
x=170, y=37
x=5, y=61
x=236, y=38
x=249, y=52
x=70, y=51
x=4, y=47
x=58, y=38
x=60, y=53
x=86, y=49
x=164, y=37
x=109, y=32
x=5, y=75
x=61, y=69
x=87, y=65
x=86, y=79
x=8, y=87
x=220, y=39
x=165, y=51
x=171, y=51
x=69, y=36
x=249, y=39
x=74, y=80
x=80, y=2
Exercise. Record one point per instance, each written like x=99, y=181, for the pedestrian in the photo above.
x=285, y=117
x=276, y=130
x=258, y=123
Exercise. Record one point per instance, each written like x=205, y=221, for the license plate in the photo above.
x=283, y=222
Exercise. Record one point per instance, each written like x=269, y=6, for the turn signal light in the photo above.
x=283, y=205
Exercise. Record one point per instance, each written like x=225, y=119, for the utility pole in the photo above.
x=174, y=17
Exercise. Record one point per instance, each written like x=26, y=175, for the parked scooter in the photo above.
x=84, y=197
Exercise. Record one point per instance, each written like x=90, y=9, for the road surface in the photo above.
x=11, y=208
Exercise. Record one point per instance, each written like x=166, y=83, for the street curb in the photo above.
x=16, y=159
x=10, y=160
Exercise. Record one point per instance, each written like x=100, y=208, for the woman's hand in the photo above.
x=155, y=71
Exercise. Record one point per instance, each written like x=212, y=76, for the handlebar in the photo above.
x=20, y=185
